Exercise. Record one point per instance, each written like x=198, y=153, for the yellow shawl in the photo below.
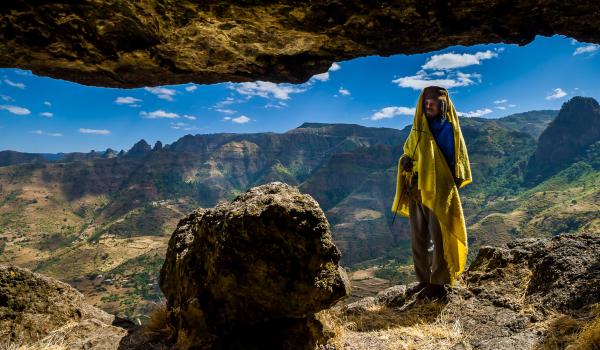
x=438, y=190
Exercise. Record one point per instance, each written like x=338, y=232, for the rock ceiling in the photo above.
x=129, y=44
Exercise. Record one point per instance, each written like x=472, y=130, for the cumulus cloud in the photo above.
x=556, y=94
x=127, y=100
x=241, y=119
x=454, y=60
x=47, y=114
x=94, y=131
x=42, y=132
x=47, y=103
x=267, y=89
x=159, y=114
x=321, y=77
x=13, y=84
x=390, y=112
x=325, y=76
x=16, y=109
x=477, y=113
x=591, y=49
x=191, y=88
x=441, y=70
x=162, y=93
x=6, y=98
x=343, y=92
x=500, y=101
x=423, y=79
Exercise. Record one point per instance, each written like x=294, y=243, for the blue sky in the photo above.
x=40, y=114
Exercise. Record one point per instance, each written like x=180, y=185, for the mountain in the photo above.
x=575, y=128
x=532, y=122
x=112, y=214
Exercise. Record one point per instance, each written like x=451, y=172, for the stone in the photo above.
x=253, y=272
x=33, y=306
x=125, y=44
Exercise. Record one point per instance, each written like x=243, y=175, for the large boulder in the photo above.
x=252, y=273
x=33, y=306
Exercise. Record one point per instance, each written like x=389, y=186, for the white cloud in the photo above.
x=321, y=77
x=226, y=118
x=191, y=88
x=390, y=112
x=221, y=106
x=6, y=98
x=94, y=131
x=12, y=83
x=343, y=92
x=477, y=113
x=22, y=72
x=556, y=93
x=241, y=119
x=334, y=67
x=47, y=103
x=267, y=89
x=41, y=132
x=454, y=60
x=511, y=105
x=47, y=114
x=226, y=110
x=159, y=114
x=162, y=93
x=16, y=109
x=586, y=49
x=190, y=117
x=500, y=101
x=182, y=126
x=279, y=104
x=423, y=79
x=123, y=100
x=500, y=107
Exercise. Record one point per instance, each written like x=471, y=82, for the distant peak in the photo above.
x=139, y=149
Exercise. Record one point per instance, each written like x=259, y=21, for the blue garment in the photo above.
x=444, y=137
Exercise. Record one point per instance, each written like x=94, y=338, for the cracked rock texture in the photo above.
x=33, y=306
x=509, y=296
x=118, y=43
x=252, y=273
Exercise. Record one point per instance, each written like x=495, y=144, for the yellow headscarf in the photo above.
x=436, y=184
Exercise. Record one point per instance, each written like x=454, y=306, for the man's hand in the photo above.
x=406, y=163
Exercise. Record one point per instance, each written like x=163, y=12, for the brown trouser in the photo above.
x=424, y=227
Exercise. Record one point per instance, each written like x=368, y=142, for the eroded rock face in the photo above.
x=121, y=43
x=508, y=296
x=32, y=306
x=252, y=272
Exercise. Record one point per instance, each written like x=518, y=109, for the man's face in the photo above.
x=432, y=108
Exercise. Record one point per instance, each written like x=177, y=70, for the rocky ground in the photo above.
x=535, y=294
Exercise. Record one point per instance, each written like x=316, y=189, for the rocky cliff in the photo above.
x=121, y=43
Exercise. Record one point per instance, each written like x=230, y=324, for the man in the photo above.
x=434, y=165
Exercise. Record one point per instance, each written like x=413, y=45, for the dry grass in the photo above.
x=421, y=326
x=55, y=340
x=157, y=327
x=573, y=333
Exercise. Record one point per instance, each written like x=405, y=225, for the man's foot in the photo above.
x=416, y=289
x=433, y=292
